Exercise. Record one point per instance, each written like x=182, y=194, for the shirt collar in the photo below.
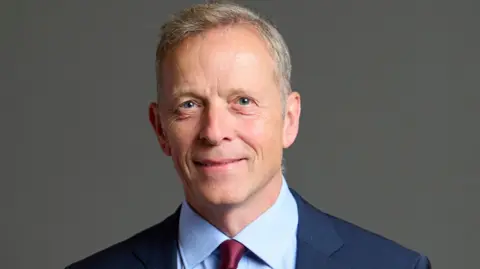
x=198, y=238
x=270, y=235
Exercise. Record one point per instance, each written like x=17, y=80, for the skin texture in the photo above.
x=221, y=101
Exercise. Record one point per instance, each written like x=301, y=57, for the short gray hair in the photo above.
x=203, y=17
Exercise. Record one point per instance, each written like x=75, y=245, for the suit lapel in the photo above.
x=317, y=239
x=309, y=258
x=157, y=248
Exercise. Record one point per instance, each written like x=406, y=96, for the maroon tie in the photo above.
x=231, y=252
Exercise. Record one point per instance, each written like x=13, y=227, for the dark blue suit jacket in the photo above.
x=323, y=242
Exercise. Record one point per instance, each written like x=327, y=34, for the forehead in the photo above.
x=226, y=56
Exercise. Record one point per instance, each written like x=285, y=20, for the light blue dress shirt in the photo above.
x=270, y=240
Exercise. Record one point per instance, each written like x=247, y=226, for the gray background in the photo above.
x=388, y=139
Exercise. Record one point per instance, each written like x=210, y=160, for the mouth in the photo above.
x=217, y=163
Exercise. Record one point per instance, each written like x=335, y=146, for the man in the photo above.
x=224, y=114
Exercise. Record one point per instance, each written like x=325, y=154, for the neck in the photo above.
x=231, y=219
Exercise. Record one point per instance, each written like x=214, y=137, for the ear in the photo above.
x=292, y=119
x=154, y=117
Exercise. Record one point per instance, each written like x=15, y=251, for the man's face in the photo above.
x=220, y=116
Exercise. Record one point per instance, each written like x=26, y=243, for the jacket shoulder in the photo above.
x=369, y=248
x=123, y=254
x=361, y=248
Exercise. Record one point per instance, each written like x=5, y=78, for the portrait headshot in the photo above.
x=240, y=134
x=224, y=114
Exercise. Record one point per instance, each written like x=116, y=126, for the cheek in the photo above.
x=255, y=129
x=182, y=137
x=261, y=134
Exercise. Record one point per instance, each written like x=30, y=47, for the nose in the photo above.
x=216, y=125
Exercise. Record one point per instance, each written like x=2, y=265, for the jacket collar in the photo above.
x=156, y=247
x=317, y=240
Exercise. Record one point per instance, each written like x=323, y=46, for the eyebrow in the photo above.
x=180, y=92
x=239, y=91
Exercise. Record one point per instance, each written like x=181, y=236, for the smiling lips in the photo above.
x=217, y=162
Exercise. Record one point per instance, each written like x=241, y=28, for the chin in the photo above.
x=225, y=195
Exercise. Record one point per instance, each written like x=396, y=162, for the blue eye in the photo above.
x=187, y=104
x=244, y=101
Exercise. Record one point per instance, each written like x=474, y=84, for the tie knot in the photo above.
x=231, y=252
